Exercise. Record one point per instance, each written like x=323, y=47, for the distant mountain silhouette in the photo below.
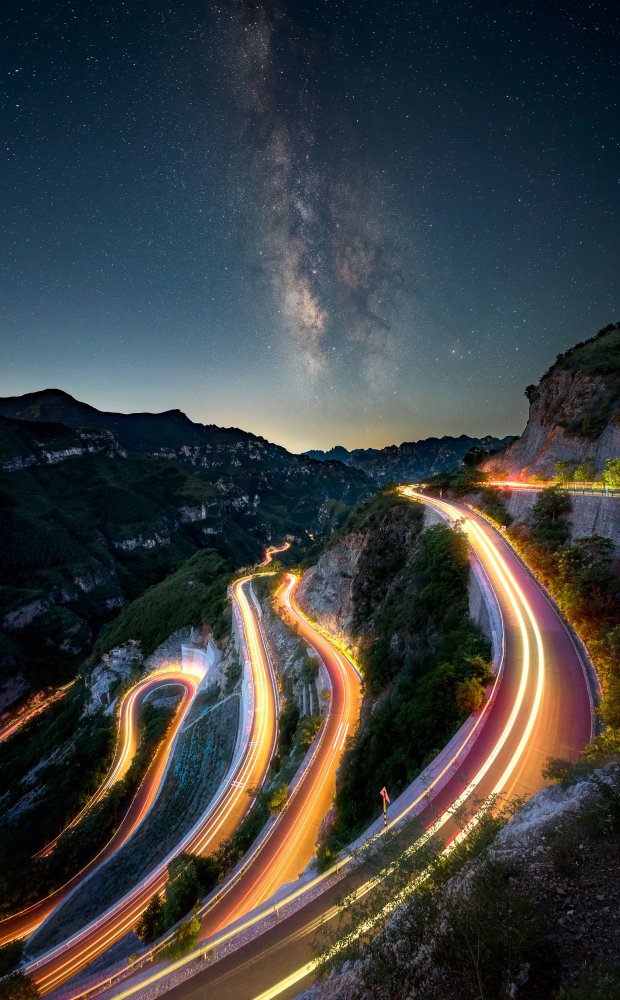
x=413, y=460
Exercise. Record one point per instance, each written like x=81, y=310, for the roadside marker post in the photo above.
x=386, y=798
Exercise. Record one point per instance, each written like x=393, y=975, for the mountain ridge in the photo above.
x=134, y=431
x=411, y=460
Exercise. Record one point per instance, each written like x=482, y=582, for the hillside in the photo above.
x=411, y=461
x=396, y=592
x=529, y=913
x=94, y=513
x=574, y=412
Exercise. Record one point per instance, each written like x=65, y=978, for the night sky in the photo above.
x=325, y=222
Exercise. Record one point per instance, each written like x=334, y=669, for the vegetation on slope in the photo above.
x=24, y=879
x=82, y=535
x=526, y=914
x=424, y=662
x=195, y=594
x=583, y=579
x=202, y=756
x=599, y=355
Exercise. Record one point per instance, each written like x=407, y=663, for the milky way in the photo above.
x=316, y=232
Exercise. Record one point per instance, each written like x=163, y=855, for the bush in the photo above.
x=148, y=927
x=233, y=676
x=288, y=722
x=307, y=729
x=276, y=799
x=10, y=956
x=470, y=695
x=601, y=985
x=185, y=939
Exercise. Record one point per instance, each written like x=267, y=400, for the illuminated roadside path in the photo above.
x=34, y=708
x=540, y=707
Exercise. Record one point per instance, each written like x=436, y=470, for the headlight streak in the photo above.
x=202, y=835
x=42, y=910
x=523, y=614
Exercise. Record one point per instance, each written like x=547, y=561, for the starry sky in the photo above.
x=322, y=221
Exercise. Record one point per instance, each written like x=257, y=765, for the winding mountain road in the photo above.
x=218, y=823
x=541, y=706
x=288, y=849
x=24, y=923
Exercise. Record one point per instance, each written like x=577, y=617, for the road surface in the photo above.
x=35, y=705
x=579, y=489
x=542, y=707
x=217, y=825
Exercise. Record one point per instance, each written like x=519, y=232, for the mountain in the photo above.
x=411, y=461
x=137, y=433
x=96, y=507
x=574, y=412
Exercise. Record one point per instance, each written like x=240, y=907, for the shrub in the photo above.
x=18, y=987
x=149, y=925
x=276, y=799
x=184, y=940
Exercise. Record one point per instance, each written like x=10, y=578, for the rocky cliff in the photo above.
x=574, y=412
x=589, y=515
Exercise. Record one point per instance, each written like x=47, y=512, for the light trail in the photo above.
x=289, y=844
x=31, y=710
x=127, y=742
x=217, y=824
x=272, y=551
x=27, y=921
x=542, y=707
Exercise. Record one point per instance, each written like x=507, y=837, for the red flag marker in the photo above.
x=386, y=798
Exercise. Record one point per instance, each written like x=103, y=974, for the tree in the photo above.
x=307, y=730
x=563, y=471
x=277, y=799
x=309, y=670
x=586, y=471
x=469, y=695
x=149, y=925
x=289, y=719
x=551, y=503
x=10, y=956
x=185, y=939
x=18, y=987
x=611, y=472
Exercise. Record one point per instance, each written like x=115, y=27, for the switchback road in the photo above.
x=542, y=707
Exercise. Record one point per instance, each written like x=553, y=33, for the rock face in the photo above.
x=574, y=413
x=326, y=589
x=97, y=504
x=114, y=667
x=590, y=515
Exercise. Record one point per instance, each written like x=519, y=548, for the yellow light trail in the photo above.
x=224, y=814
